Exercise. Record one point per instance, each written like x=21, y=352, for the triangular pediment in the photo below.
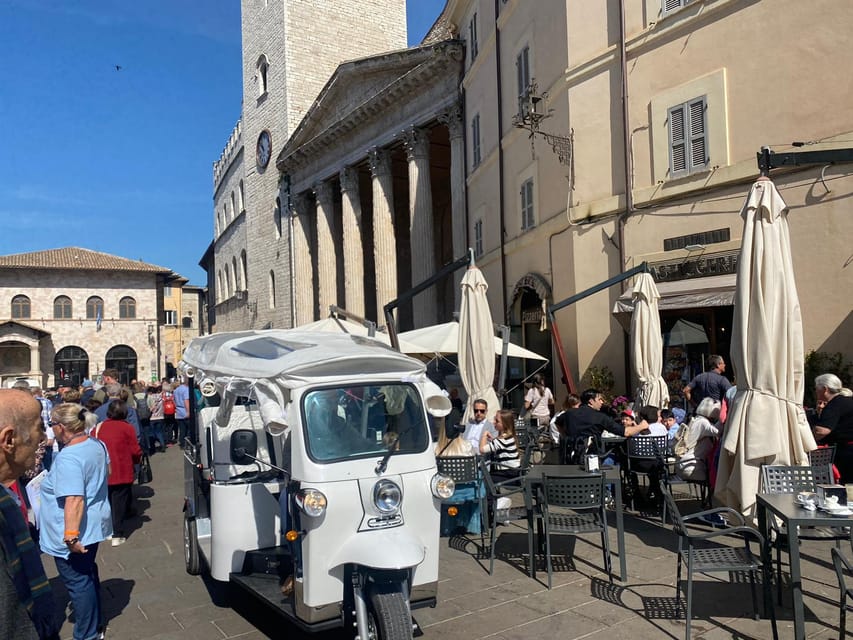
x=13, y=328
x=354, y=84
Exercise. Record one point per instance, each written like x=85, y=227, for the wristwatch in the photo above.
x=70, y=542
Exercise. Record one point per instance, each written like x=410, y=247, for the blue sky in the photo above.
x=120, y=161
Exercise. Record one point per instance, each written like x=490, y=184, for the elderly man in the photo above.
x=26, y=601
x=114, y=392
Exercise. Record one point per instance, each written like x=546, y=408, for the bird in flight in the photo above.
x=118, y=67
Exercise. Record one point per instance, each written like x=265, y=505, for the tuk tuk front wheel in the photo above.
x=192, y=559
x=390, y=613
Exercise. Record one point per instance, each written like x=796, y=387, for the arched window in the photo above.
x=233, y=206
x=228, y=289
x=238, y=281
x=277, y=217
x=20, y=307
x=243, y=269
x=94, y=305
x=272, y=290
x=263, y=69
x=62, y=308
x=127, y=308
x=241, y=197
x=71, y=362
x=122, y=358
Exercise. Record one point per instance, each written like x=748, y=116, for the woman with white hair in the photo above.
x=834, y=425
x=693, y=447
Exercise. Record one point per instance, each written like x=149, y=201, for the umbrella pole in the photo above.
x=568, y=379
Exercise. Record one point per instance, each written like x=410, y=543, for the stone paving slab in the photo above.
x=147, y=593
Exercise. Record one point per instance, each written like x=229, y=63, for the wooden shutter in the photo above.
x=677, y=141
x=698, y=138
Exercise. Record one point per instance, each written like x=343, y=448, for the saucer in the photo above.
x=843, y=512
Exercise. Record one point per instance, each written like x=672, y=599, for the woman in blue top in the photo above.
x=75, y=515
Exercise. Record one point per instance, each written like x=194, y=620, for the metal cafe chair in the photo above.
x=695, y=551
x=842, y=565
x=574, y=506
x=645, y=454
x=820, y=460
x=505, y=489
x=464, y=471
x=791, y=479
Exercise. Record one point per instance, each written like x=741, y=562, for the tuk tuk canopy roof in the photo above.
x=275, y=353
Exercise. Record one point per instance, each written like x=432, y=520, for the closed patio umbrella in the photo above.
x=647, y=344
x=766, y=423
x=476, y=345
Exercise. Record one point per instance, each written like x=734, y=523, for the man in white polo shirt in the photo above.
x=478, y=422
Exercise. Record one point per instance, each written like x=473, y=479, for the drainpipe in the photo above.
x=622, y=220
x=626, y=140
x=501, y=204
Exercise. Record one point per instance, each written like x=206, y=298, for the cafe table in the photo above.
x=785, y=507
x=533, y=481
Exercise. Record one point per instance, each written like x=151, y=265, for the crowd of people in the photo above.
x=584, y=422
x=78, y=447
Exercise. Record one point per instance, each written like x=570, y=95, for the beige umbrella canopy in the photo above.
x=476, y=345
x=444, y=338
x=647, y=344
x=766, y=423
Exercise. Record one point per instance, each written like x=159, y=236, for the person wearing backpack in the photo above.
x=143, y=411
x=170, y=426
x=695, y=442
x=154, y=400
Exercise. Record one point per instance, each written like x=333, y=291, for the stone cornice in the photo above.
x=444, y=58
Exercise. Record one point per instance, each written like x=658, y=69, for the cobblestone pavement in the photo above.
x=147, y=593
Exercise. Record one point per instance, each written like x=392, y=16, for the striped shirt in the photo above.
x=504, y=453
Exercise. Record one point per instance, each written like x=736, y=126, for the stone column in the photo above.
x=384, y=240
x=453, y=119
x=303, y=275
x=327, y=276
x=35, y=362
x=353, y=250
x=421, y=224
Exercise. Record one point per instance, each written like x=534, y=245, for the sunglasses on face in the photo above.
x=479, y=411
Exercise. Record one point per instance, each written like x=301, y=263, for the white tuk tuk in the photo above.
x=311, y=466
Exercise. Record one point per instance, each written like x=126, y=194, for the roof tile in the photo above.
x=76, y=258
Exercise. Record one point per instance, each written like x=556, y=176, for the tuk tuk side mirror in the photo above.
x=244, y=446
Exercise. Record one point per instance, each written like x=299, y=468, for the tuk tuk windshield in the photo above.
x=355, y=421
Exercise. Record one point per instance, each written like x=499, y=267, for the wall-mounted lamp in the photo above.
x=695, y=247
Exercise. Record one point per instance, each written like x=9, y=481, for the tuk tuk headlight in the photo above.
x=311, y=502
x=442, y=487
x=387, y=496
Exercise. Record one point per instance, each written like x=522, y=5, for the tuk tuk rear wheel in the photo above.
x=192, y=559
x=390, y=613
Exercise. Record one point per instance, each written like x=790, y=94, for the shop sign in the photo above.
x=699, y=267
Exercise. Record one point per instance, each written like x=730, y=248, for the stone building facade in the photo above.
x=70, y=313
x=659, y=177
x=290, y=48
x=374, y=186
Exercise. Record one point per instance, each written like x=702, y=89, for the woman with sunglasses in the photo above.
x=75, y=514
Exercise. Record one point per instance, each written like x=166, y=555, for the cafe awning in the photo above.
x=714, y=291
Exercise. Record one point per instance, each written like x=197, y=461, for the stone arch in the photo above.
x=530, y=281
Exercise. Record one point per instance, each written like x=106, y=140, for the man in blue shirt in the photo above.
x=711, y=384
x=181, y=396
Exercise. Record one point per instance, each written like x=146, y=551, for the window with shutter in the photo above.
x=671, y=5
x=476, y=156
x=688, y=143
x=522, y=64
x=473, y=45
x=527, y=219
x=478, y=238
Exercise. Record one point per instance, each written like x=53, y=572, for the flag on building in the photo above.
x=98, y=320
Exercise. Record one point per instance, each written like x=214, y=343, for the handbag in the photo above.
x=144, y=475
